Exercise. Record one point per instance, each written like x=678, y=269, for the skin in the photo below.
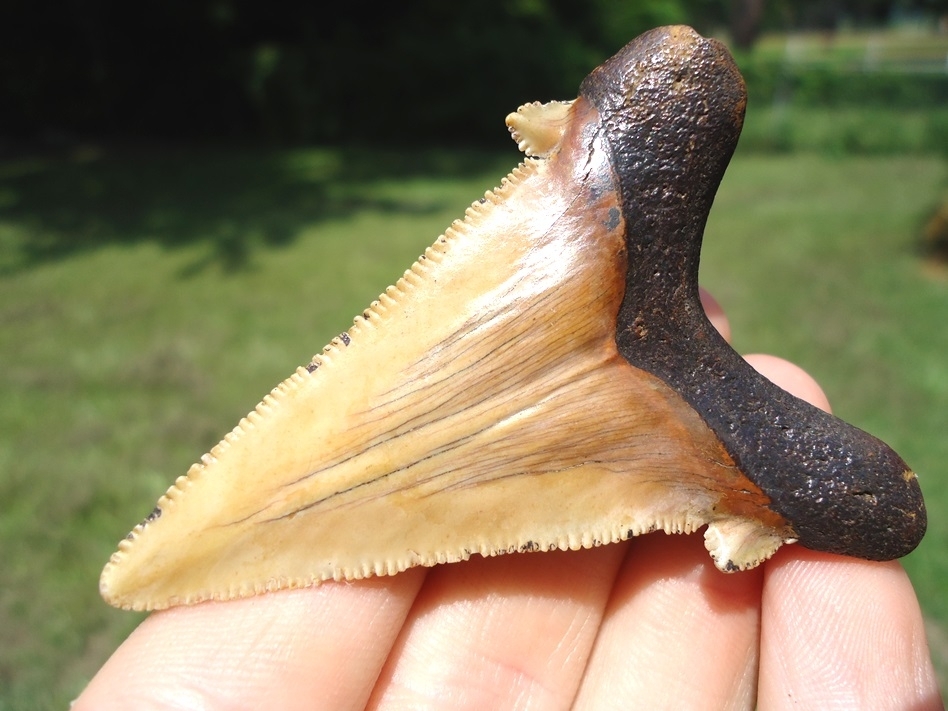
x=649, y=622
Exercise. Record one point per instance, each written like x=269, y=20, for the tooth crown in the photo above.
x=504, y=395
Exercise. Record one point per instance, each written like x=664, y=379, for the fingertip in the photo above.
x=838, y=632
x=715, y=314
x=791, y=378
x=278, y=650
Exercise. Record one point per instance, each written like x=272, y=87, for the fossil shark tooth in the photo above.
x=542, y=377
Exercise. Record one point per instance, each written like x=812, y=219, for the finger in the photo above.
x=506, y=632
x=320, y=647
x=790, y=377
x=715, y=314
x=840, y=633
x=677, y=633
x=517, y=641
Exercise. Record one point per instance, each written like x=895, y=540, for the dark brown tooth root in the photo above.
x=672, y=106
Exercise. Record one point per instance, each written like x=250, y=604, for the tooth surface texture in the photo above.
x=544, y=377
x=480, y=406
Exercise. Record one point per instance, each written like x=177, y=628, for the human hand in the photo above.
x=649, y=623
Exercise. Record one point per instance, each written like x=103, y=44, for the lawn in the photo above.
x=149, y=299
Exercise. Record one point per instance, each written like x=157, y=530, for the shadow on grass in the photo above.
x=232, y=201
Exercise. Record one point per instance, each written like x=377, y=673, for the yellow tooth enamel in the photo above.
x=480, y=406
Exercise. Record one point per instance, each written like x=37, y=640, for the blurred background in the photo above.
x=196, y=195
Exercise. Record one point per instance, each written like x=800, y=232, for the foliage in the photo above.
x=862, y=131
x=292, y=71
x=137, y=339
x=830, y=86
x=847, y=92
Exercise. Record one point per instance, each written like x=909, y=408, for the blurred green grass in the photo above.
x=149, y=299
x=783, y=128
